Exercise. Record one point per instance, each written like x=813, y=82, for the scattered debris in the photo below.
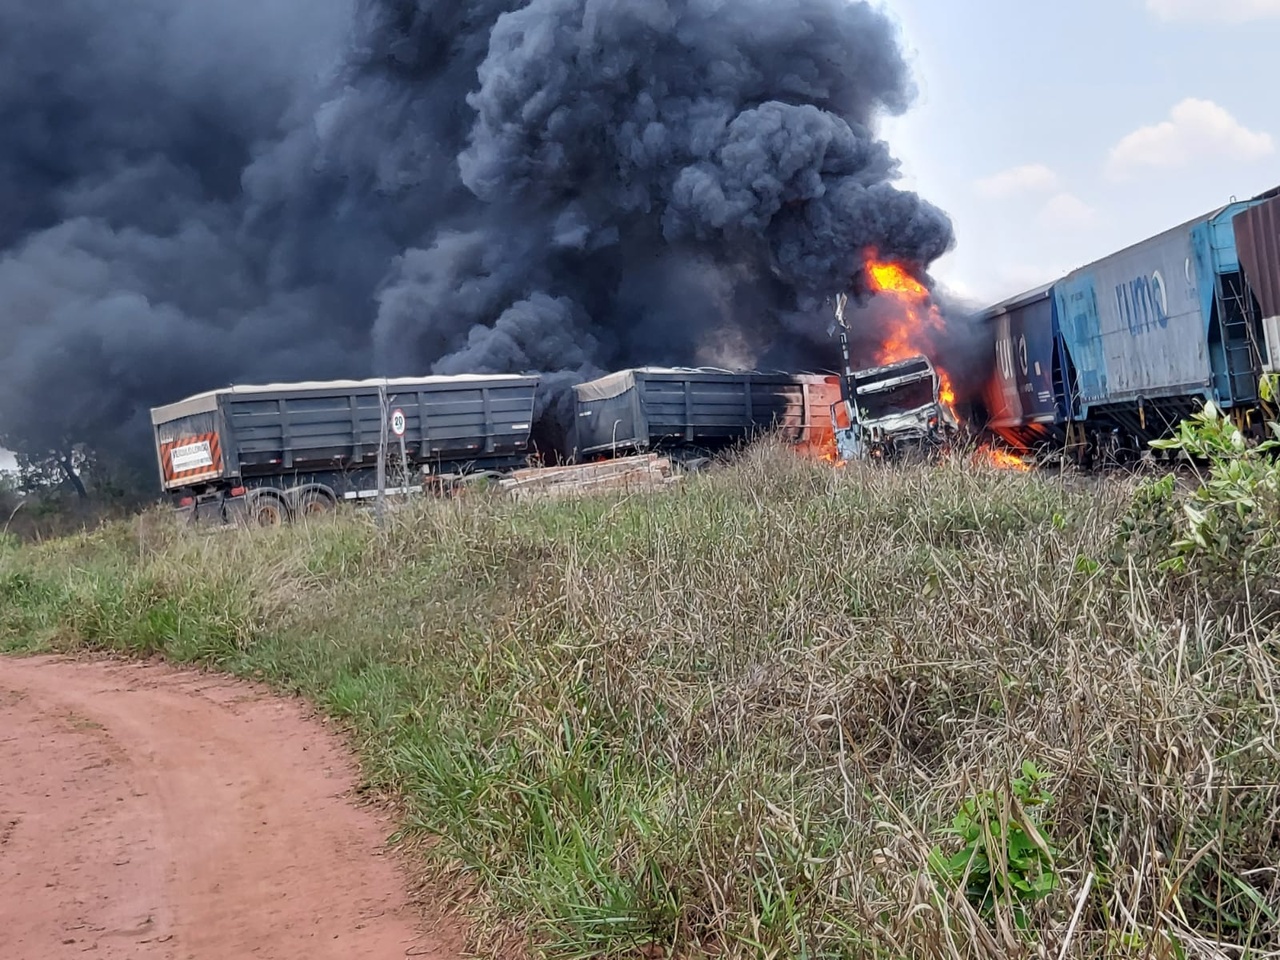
x=631, y=474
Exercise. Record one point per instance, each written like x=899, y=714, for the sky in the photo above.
x=1057, y=133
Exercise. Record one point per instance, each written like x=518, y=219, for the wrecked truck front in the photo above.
x=894, y=407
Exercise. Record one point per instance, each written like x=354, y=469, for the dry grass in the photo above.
x=734, y=718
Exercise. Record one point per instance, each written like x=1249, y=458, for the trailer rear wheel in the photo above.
x=313, y=503
x=268, y=510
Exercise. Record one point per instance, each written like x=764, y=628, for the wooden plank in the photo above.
x=645, y=472
x=624, y=463
x=588, y=472
x=568, y=491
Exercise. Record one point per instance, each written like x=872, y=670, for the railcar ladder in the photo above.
x=1244, y=361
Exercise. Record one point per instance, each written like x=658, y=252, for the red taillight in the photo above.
x=238, y=491
x=186, y=501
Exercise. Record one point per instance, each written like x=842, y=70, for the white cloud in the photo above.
x=1228, y=11
x=7, y=462
x=1195, y=130
x=1067, y=211
x=1029, y=178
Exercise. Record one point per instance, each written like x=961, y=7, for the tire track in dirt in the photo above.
x=147, y=812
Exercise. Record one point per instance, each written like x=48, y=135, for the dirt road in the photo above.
x=151, y=813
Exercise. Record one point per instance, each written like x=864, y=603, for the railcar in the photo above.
x=1118, y=352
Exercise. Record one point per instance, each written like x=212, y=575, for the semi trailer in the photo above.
x=272, y=452
x=694, y=413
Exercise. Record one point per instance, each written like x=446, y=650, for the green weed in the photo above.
x=1005, y=858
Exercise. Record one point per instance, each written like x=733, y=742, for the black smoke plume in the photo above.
x=194, y=194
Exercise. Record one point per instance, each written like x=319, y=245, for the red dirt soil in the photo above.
x=147, y=812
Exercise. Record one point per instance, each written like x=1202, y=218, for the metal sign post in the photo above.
x=849, y=441
x=399, y=425
x=382, y=451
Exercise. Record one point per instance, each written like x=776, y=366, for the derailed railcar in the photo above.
x=1118, y=352
x=693, y=412
x=1026, y=398
x=274, y=451
x=1156, y=330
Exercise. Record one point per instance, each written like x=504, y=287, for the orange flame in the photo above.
x=818, y=437
x=823, y=449
x=918, y=318
x=894, y=278
x=1004, y=460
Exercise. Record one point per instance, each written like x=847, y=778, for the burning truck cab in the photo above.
x=906, y=405
x=892, y=411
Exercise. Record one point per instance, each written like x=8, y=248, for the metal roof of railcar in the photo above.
x=1203, y=218
x=1022, y=299
x=1037, y=293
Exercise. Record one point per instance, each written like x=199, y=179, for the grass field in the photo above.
x=778, y=711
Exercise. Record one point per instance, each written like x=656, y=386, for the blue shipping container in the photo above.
x=1135, y=324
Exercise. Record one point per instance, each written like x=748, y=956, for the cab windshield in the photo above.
x=903, y=399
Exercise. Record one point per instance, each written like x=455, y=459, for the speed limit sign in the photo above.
x=398, y=422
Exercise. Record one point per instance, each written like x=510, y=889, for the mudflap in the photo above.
x=212, y=512
x=234, y=511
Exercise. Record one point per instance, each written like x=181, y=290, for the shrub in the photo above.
x=1233, y=517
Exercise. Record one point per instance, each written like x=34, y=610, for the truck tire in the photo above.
x=313, y=503
x=268, y=509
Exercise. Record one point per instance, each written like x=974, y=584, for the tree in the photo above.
x=49, y=471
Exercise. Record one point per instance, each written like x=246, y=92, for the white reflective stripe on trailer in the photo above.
x=369, y=494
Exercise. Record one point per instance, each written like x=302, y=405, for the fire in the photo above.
x=1003, y=459
x=830, y=455
x=918, y=318
x=823, y=449
x=894, y=278
x=821, y=446
x=818, y=436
